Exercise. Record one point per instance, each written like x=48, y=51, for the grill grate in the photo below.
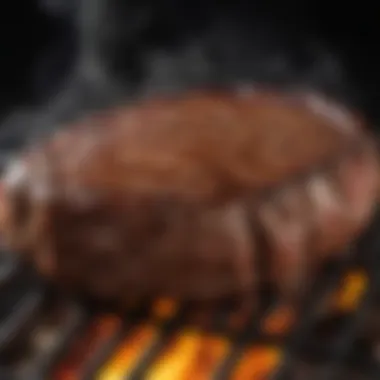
x=273, y=345
x=103, y=347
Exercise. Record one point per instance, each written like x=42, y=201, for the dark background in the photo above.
x=62, y=58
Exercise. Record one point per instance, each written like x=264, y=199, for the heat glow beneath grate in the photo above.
x=188, y=353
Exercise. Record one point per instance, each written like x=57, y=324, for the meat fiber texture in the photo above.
x=198, y=197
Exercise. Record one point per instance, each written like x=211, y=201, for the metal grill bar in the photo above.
x=308, y=319
x=167, y=331
x=251, y=333
x=104, y=352
x=44, y=364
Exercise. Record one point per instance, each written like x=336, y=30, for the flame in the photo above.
x=279, y=321
x=164, y=308
x=347, y=298
x=257, y=363
x=192, y=354
x=128, y=353
x=97, y=334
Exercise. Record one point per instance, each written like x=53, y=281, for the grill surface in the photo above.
x=67, y=342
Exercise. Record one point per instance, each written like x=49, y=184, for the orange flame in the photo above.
x=195, y=355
